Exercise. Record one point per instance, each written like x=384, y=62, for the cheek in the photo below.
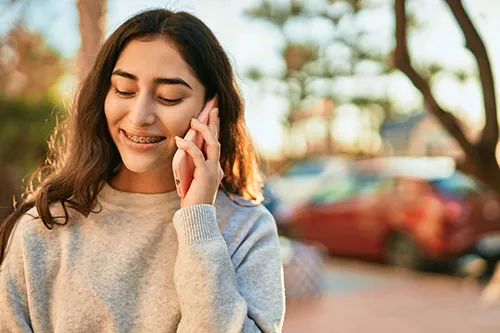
x=178, y=121
x=113, y=109
x=109, y=109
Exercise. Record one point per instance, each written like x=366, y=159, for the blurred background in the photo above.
x=376, y=123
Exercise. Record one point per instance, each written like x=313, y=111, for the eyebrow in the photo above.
x=158, y=80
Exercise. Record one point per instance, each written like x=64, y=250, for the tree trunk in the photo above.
x=475, y=44
x=480, y=158
x=92, y=26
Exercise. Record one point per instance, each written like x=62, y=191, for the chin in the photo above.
x=143, y=164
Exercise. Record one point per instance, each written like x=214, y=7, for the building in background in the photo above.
x=420, y=135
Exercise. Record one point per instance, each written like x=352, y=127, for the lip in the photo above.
x=139, y=146
x=140, y=133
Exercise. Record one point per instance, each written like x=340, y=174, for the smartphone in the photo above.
x=182, y=163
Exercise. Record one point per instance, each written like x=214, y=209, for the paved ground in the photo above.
x=372, y=298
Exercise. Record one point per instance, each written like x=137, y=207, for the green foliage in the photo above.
x=318, y=68
x=26, y=127
x=29, y=70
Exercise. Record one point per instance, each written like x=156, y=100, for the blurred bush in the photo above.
x=26, y=126
x=29, y=71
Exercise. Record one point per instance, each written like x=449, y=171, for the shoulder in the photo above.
x=23, y=227
x=27, y=224
x=30, y=243
x=30, y=228
x=31, y=220
x=238, y=223
x=241, y=209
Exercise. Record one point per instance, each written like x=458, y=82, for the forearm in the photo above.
x=208, y=286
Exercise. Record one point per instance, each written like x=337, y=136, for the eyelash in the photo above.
x=162, y=100
x=123, y=93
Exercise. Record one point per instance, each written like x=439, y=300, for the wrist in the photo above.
x=188, y=203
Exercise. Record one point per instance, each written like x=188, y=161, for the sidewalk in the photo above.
x=419, y=304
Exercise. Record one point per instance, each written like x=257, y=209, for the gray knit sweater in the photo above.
x=141, y=264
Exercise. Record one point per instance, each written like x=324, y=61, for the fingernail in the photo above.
x=194, y=120
x=181, y=143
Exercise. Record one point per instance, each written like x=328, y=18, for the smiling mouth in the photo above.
x=144, y=139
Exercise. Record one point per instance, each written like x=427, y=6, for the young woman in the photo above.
x=104, y=243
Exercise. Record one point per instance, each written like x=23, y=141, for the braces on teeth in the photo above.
x=142, y=139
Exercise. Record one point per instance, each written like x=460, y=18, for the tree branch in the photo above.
x=403, y=63
x=92, y=15
x=474, y=43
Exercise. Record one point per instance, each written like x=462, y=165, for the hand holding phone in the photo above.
x=182, y=163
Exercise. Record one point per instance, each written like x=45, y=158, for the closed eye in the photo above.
x=167, y=101
x=123, y=93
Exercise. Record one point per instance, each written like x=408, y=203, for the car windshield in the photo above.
x=458, y=185
x=305, y=168
x=353, y=185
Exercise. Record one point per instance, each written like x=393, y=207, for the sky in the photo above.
x=251, y=43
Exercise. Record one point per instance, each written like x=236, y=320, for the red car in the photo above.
x=405, y=221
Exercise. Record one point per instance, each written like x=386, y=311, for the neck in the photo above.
x=154, y=181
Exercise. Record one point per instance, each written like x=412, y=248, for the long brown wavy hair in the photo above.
x=82, y=155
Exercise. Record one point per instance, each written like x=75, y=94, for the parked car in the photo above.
x=487, y=213
x=302, y=178
x=404, y=213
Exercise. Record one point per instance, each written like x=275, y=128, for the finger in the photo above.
x=212, y=122
x=221, y=172
x=218, y=127
x=190, y=148
x=212, y=145
x=210, y=104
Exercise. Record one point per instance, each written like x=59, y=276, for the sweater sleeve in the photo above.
x=216, y=297
x=14, y=313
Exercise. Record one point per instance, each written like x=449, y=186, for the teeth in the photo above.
x=144, y=139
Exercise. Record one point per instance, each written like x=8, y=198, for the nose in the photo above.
x=142, y=112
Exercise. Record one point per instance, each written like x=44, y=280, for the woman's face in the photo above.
x=152, y=98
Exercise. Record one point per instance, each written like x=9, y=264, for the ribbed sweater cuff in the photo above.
x=196, y=224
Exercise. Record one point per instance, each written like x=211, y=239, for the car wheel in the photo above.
x=402, y=250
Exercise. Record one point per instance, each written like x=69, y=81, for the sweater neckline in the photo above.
x=110, y=196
